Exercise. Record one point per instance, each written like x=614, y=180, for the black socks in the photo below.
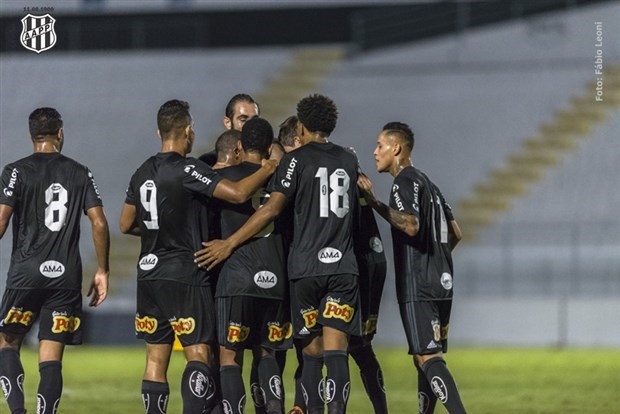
x=12, y=379
x=155, y=396
x=233, y=391
x=443, y=386
x=372, y=377
x=197, y=387
x=337, y=382
x=50, y=387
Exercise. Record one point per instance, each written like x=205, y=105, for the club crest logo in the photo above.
x=38, y=33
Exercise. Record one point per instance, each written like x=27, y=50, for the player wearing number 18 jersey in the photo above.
x=163, y=206
x=46, y=194
x=319, y=179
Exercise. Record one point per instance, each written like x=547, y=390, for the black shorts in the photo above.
x=371, y=282
x=325, y=301
x=244, y=322
x=426, y=325
x=59, y=312
x=166, y=308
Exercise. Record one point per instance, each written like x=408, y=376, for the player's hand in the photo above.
x=271, y=165
x=214, y=253
x=364, y=183
x=98, y=288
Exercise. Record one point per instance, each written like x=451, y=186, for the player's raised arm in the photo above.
x=6, y=212
x=241, y=191
x=403, y=221
x=217, y=251
x=101, y=239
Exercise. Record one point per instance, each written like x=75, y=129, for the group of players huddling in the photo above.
x=261, y=245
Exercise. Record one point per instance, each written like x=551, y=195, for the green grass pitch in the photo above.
x=492, y=381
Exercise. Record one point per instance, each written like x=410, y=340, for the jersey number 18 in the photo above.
x=336, y=200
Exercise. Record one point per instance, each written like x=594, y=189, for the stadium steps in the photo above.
x=497, y=192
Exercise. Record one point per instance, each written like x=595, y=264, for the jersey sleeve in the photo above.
x=407, y=194
x=286, y=177
x=9, y=182
x=130, y=195
x=446, y=207
x=199, y=178
x=93, y=198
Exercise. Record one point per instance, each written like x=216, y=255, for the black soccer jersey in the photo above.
x=257, y=267
x=366, y=236
x=423, y=263
x=48, y=192
x=168, y=190
x=320, y=180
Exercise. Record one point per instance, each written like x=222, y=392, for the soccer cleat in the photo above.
x=296, y=410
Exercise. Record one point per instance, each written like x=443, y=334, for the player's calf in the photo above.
x=50, y=387
x=155, y=396
x=12, y=379
x=443, y=385
x=372, y=376
x=197, y=387
x=337, y=383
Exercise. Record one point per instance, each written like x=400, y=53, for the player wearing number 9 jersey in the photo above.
x=46, y=195
x=164, y=207
x=319, y=179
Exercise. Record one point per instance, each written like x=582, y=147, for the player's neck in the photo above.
x=47, y=146
x=174, y=146
x=399, y=165
x=252, y=157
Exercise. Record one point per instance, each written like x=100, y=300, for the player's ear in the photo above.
x=188, y=131
x=227, y=122
x=397, y=148
x=159, y=133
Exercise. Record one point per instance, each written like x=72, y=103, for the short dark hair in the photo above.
x=257, y=136
x=240, y=97
x=406, y=132
x=43, y=122
x=227, y=142
x=318, y=113
x=173, y=114
x=288, y=131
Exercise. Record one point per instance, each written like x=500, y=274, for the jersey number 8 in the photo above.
x=56, y=198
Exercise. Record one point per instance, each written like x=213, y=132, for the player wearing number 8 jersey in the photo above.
x=48, y=193
x=319, y=179
x=164, y=207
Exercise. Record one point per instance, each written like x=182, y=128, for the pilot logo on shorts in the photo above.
x=64, y=323
x=18, y=315
x=329, y=255
x=335, y=310
x=237, y=333
x=265, y=279
x=38, y=32
x=446, y=280
x=146, y=324
x=148, y=262
x=183, y=326
x=52, y=269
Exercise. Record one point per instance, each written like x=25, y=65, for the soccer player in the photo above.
x=226, y=149
x=45, y=194
x=164, y=207
x=424, y=233
x=372, y=267
x=288, y=134
x=239, y=110
x=319, y=178
x=252, y=312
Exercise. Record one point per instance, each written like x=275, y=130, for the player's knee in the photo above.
x=8, y=340
x=420, y=360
